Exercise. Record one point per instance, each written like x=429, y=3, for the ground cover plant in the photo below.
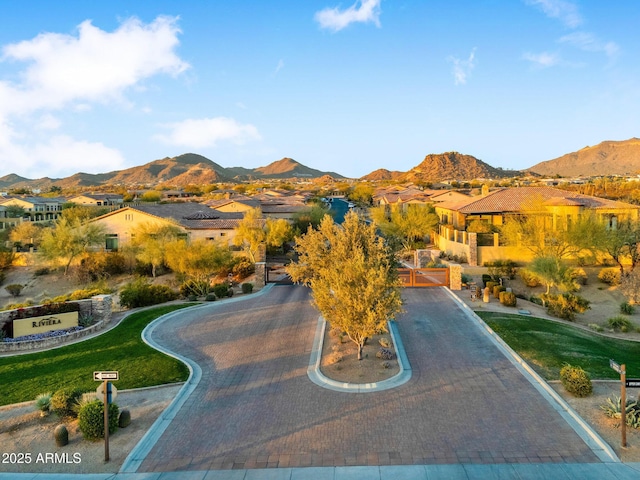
x=547, y=346
x=23, y=377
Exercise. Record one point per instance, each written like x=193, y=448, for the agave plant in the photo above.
x=43, y=402
x=612, y=408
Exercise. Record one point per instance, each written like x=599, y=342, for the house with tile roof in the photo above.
x=558, y=208
x=196, y=221
x=97, y=199
x=36, y=209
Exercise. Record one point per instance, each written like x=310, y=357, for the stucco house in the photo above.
x=97, y=199
x=558, y=207
x=197, y=221
x=36, y=208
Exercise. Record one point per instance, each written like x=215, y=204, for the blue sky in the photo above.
x=337, y=85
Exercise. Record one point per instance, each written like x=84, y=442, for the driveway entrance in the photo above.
x=255, y=407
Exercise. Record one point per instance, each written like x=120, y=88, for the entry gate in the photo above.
x=424, y=277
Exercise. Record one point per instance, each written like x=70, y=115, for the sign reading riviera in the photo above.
x=29, y=326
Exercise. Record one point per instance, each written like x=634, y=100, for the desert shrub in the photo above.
x=466, y=279
x=580, y=276
x=630, y=286
x=490, y=285
x=502, y=268
x=14, y=289
x=434, y=264
x=243, y=268
x=99, y=265
x=535, y=299
x=85, y=320
x=385, y=354
x=486, y=278
x=91, y=419
x=619, y=323
x=141, y=293
x=613, y=408
x=41, y=271
x=576, y=381
x=595, y=327
x=195, y=288
x=384, y=342
x=508, y=299
x=221, y=290
x=247, y=287
x=610, y=276
x=2, y=277
x=497, y=289
x=566, y=305
x=63, y=400
x=43, y=403
x=210, y=297
x=627, y=308
x=528, y=278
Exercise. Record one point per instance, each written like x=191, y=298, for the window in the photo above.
x=111, y=242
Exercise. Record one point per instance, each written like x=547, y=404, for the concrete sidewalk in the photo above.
x=529, y=471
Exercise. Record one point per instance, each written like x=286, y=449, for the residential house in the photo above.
x=97, y=199
x=196, y=221
x=558, y=207
x=36, y=209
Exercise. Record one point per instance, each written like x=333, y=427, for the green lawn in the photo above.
x=22, y=377
x=548, y=345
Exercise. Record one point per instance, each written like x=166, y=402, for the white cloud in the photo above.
x=542, y=60
x=207, y=132
x=589, y=43
x=363, y=11
x=92, y=66
x=57, y=156
x=279, y=67
x=463, y=68
x=48, y=122
x=564, y=10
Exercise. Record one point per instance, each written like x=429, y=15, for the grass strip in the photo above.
x=23, y=377
x=547, y=345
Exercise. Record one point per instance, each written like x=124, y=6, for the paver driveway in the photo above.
x=255, y=406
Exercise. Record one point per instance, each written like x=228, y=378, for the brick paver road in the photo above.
x=255, y=406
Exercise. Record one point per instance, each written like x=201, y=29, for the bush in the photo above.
x=91, y=419
x=576, y=381
x=141, y=293
x=385, y=354
x=619, y=323
x=486, y=278
x=497, y=289
x=490, y=285
x=221, y=290
x=508, y=299
x=195, y=288
x=528, y=278
x=613, y=409
x=41, y=271
x=610, y=276
x=14, y=289
x=535, y=299
x=99, y=265
x=243, y=268
x=580, y=276
x=502, y=268
x=627, y=308
x=247, y=287
x=210, y=297
x=43, y=403
x=63, y=400
x=565, y=306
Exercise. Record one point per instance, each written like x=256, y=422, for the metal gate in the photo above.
x=424, y=277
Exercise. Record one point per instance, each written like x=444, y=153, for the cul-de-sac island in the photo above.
x=454, y=320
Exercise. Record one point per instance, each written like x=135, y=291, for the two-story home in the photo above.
x=558, y=207
x=36, y=209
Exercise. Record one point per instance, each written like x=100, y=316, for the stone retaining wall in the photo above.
x=99, y=307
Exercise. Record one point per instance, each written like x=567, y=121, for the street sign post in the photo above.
x=108, y=395
x=622, y=370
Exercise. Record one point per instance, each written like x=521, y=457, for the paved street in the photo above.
x=255, y=406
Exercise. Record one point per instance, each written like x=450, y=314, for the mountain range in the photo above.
x=606, y=158
x=182, y=170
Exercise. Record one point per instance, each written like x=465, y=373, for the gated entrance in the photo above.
x=424, y=277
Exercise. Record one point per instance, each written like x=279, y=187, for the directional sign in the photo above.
x=102, y=376
x=632, y=382
x=615, y=366
x=112, y=392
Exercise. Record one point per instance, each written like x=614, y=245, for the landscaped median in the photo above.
x=23, y=377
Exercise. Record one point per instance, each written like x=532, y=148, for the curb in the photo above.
x=144, y=446
x=317, y=377
x=599, y=447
